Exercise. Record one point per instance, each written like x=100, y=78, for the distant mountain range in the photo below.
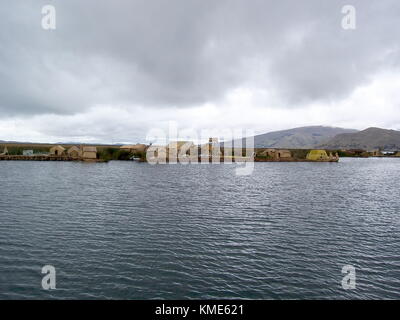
x=299, y=138
x=313, y=137
x=368, y=139
x=320, y=137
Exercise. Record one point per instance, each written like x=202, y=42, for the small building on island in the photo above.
x=89, y=153
x=276, y=154
x=389, y=152
x=283, y=154
x=316, y=155
x=74, y=152
x=376, y=153
x=57, y=151
x=322, y=155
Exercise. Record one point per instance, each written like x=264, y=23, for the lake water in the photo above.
x=125, y=230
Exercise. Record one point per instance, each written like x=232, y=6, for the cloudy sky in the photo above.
x=114, y=69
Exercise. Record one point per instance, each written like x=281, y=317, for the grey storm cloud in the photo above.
x=180, y=53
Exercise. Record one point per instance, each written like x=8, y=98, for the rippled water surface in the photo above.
x=126, y=230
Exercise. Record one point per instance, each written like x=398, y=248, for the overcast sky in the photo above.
x=114, y=69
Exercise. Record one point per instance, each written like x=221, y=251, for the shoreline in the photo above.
x=46, y=158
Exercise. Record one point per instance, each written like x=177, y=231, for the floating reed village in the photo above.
x=213, y=151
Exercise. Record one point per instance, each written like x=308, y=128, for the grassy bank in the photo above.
x=109, y=154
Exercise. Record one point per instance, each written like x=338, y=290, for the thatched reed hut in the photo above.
x=316, y=155
x=57, y=151
x=74, y=152
x=89, y=152
x=276, y=154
